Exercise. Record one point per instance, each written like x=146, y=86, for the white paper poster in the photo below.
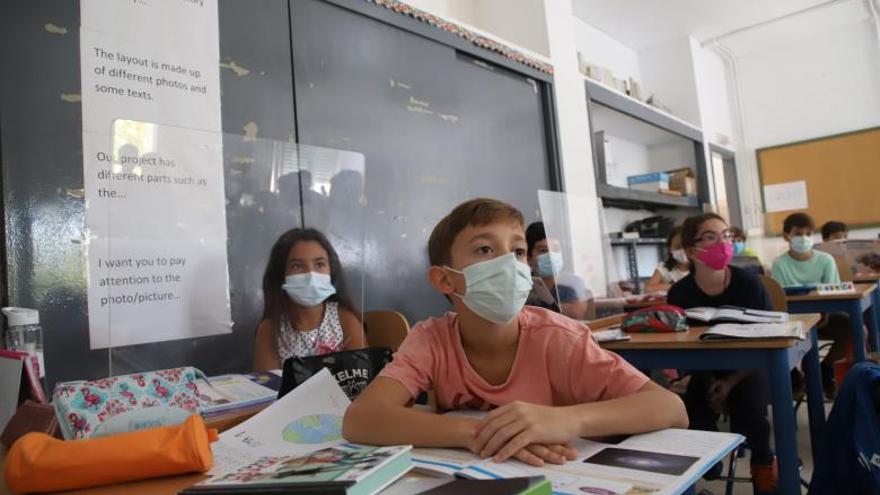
x=154, y=193
x=785, y=196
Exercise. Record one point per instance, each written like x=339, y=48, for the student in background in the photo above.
x=672, y=269
x=713, y=282
x=553, y=288
x=307, y=311
x=739, y=243
x=834, y=231
x=540, y=375
x=801, y=264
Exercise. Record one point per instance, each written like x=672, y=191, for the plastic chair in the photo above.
x=385, y=328
x=777, y=293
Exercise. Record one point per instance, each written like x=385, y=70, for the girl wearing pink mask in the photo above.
x=712, y=282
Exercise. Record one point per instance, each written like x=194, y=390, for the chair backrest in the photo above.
x=777, y=293
x=385, y=328
x=844, y=269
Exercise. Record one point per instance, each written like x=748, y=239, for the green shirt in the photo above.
x=819, y=269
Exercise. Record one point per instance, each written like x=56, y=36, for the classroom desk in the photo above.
x=685, y=350
x=872, y=278
x=855, y=304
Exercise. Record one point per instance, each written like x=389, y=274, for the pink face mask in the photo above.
x=717, y=256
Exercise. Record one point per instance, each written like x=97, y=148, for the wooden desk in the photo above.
x=863, y=278
x=864, y=299
x=685, y=350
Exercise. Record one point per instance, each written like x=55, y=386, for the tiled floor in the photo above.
x=742, y=464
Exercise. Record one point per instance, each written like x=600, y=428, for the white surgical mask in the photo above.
x=679, y=255
x=802, y=244
x=497, y=289
x=308, y=289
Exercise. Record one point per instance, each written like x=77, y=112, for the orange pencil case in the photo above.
x=40, y=463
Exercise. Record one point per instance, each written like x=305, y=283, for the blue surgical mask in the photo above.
x=738, y=247
x=550, y=264
x=801, y=244
x=308, y=289
x=497, y=289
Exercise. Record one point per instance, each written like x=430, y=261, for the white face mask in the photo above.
x=679, y=255
x=801, y=244
x=308, y=289
x=497, y=289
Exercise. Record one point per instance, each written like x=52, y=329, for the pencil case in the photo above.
x=40, y=463
x=126, y=403
x=661, y=318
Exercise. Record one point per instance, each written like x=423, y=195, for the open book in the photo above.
x=727, y=331
x=662, y=462
x=736, y=314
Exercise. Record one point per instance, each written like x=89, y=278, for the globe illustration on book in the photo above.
x=313, y=429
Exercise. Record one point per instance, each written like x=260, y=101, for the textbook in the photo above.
x=308, y=418
x=661, y=463
x=736, y=314
x=345, y=469
x=225, y=393
x=728, y=331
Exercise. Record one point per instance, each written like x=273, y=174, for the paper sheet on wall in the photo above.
x=155, y=212
x=785, y=196
x=308, y=418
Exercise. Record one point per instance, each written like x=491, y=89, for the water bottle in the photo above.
x=24, y=333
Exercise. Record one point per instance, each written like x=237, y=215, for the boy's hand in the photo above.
x=504, y=432
x=717, y=394
x=538, y=454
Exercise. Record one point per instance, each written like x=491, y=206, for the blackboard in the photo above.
x=320, y=72
x=437, y=126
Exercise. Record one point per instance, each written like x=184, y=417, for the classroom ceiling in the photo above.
x=642, y=24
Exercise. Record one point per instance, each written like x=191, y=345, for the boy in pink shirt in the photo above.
x=541, y=376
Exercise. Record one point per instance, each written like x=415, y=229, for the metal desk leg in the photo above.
x=784, y=422
x=815, y=399
x=855, y=319
x=873, y=314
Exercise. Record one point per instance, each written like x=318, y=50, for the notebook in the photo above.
x=233, y=392
x=728, y=331
x=534, y=485
x=344, y=469
x=736, y=314
x=610, y=335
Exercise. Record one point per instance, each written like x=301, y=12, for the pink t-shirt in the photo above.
x=557, y=364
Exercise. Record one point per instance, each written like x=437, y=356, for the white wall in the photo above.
x=825, y=83
x=524, y=25
x=601, y=49
x=668, y=72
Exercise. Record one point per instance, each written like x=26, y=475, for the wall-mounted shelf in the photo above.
x=644, y=140
x=623, y=197
x=642, y=111
x=639, y=241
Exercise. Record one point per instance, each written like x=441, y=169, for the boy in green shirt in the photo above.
x=802, y=265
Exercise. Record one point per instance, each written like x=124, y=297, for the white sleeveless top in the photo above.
x=322, y=340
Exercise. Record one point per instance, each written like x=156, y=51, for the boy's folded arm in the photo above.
x=627, y=414
x=380, y=416
x=508, y=429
